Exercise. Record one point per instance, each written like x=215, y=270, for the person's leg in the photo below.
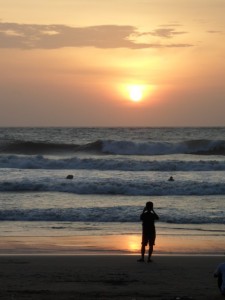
x=143, y=244
x=152, y=237
x=219, y=281
x=150, y=252
x=143, y=251
x=142, y=259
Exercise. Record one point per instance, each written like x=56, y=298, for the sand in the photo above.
x=108, y=277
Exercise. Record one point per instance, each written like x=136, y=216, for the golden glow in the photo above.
x=134, y=243
x=135, y=92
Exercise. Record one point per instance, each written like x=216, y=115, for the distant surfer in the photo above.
x=148, y=218
x=171, y=178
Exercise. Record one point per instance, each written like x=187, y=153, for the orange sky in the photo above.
x=73, y=63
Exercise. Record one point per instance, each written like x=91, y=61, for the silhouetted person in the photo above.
x=148, y=218
x=171, y=178
x=220, y=274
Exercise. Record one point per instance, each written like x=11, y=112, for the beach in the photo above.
x=108, y=277
x=80, y=238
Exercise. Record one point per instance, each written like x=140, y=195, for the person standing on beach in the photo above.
x=148, y=218
x=220, y=274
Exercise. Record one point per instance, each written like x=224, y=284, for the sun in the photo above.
x=135, y=92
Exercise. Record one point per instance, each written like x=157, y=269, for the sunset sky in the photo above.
x=112, y=63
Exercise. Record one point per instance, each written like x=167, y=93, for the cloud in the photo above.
x=32, y=36
x=166, y=32
x=215, y=31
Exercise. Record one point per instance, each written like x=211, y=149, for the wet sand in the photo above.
x=109, y=244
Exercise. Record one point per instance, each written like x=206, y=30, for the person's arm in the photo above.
x=155, y=214
x=217, y=272
x=141, y=216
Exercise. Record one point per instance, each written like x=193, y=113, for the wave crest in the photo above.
x=200, y=147
x=207, y=147
x=104, y=214
x=32, y=148
x=114, y=186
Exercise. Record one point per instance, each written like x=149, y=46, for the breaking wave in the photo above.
x=206, y=147
x=104, y=214
x=201, y=147
x=32, y=148
x=114, y=186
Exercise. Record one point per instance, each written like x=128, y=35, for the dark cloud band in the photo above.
x=32, y=36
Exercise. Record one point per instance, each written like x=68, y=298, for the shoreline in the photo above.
x=92, y=277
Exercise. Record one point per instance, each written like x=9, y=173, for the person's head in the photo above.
x=149, y=206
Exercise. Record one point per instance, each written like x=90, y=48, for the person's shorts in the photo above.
x=148, y=238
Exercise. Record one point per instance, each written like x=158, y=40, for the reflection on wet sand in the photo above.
x=110, y=244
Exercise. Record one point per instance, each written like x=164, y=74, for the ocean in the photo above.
x=115, y=172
